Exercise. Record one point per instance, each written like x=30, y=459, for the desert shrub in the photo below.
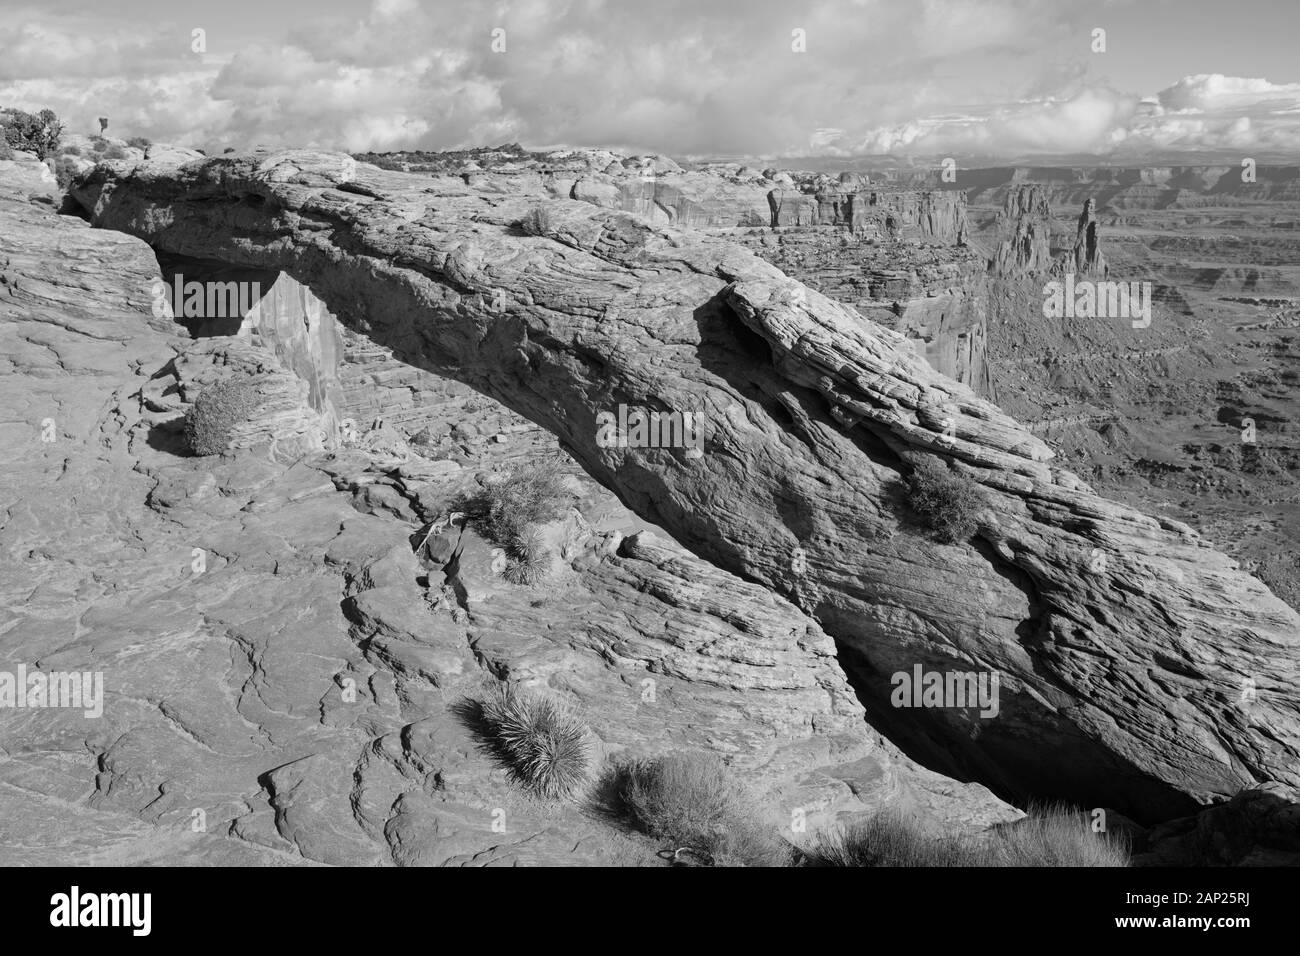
x=538, y=222
x=65, y=170
x=72, y=150
x=529, y=559
x=33, y=133
x=115, y=152
x=507, y=508
x=694, y=801
x=543, y=743
x=138, y=142
x=5, y=151
x=98, y=144
x=211, y=420
x=890, y=838
x=948, y=503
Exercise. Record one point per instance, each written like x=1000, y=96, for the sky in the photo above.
x=690, y=78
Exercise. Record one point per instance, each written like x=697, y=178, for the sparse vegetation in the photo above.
x=211, y=420
x=543, y=742
x=889, y=838
x=115, y=152
x=139, y=142
x=507, y=512
x=538, y=222
x=65, y=170
x=530, y=559
x=508, y=508
x=948, y=503
x=1048, y=837
x=33, y=133
x=697, y=804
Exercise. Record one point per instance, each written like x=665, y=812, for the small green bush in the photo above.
x=5, y=151
x=138, y=142
x=115, y=152
x=211, y=420
x=538, y=222
x=72, y=150
x=1048, y=837
x=694, y=801
x=948, y=503
x=543, y=743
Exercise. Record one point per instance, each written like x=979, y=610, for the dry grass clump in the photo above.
x=507, y=508
x=891, y=838
x=529, y=559
x=695, y=802
x=948, y=503
x=543, y=743
x=538, y=221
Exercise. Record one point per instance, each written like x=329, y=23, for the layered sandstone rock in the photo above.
x=1086, y=258
x=282, y=670
x=1026, y=224
x=1124, y=643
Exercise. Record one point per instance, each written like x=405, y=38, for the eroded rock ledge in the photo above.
x=1140, y=668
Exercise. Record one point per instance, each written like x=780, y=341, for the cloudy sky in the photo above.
x=919, y=78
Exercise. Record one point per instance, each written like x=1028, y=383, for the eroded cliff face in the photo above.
x=1123, y=642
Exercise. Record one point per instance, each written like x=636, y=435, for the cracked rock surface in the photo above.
x=1124, y=642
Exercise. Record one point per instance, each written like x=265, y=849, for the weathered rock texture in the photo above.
x=1086, y=257
x=939, y=216
x=1123, y=641
x=282, y=669
x=1026, y=220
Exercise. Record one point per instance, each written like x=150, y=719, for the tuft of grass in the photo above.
x=530, y=559
x=543, y=742
x=891, y=838
x=211, y=420
x=507, y=508
x=695, y=802
x=947, y=502
x=1057, y=836
x=538, y=221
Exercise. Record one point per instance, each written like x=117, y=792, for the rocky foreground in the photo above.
x=284, y=666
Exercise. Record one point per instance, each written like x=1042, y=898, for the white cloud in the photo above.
x=943, y=77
